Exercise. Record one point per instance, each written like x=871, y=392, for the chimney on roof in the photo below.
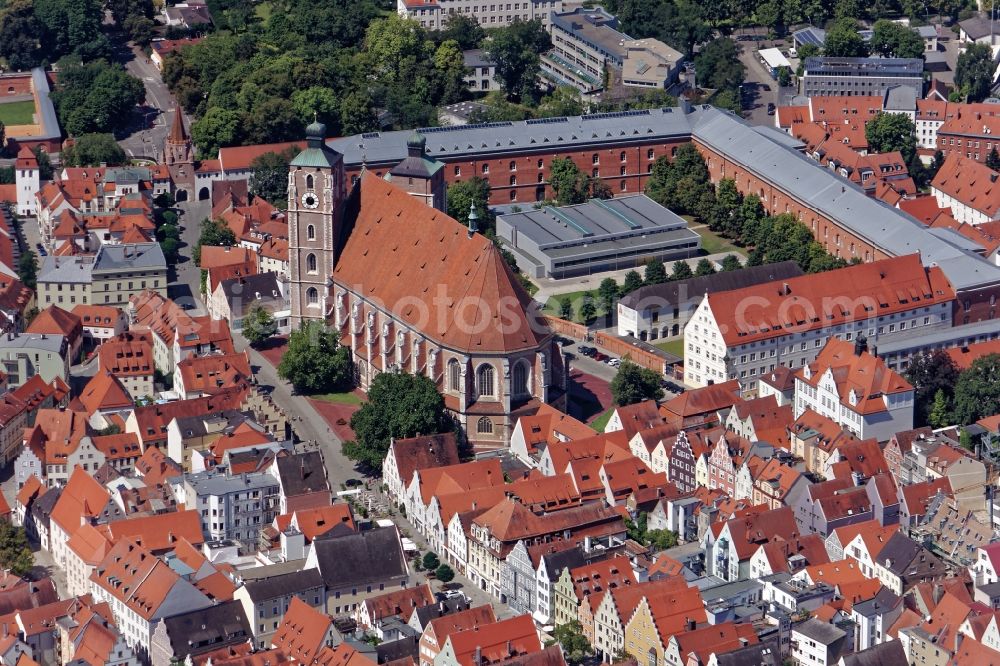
x=477, y=659
x=860, y=344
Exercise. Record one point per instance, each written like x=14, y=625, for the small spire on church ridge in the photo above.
x=473, y=220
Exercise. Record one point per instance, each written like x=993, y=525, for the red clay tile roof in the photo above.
x=970, y=182
x=705, y=400
x=496, y=642
x=484, y=308
x=152, y=420
x=158, y=533
x=865, y=376
x=210, y=374
x=122, y=446
x=54, y=320
x=127, y=355
x=104, y=391
x=241, y=157
x=549, y=425
x=155, y=467
x=398, y=602
x=314, y=522
x=900, y=284
x=83, y=497
x=90, y=544
x=31, y=489
x=215, y=257
x=303, y=631
x=966, y=355
x=136, y=578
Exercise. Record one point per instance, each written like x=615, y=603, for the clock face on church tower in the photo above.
x=309, y=200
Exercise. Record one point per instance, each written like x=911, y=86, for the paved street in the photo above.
x=146, y=140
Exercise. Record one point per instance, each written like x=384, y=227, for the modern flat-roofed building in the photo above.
x=861, y=76
x=434, y=14
x=600, y=235
x=586, y=44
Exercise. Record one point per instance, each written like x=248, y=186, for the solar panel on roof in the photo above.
x=458, y=128
x=616, y=114
x=546, y=121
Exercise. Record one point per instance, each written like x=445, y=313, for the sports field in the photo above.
x=17, y=113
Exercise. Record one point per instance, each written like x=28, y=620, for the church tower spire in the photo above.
x=178, y=149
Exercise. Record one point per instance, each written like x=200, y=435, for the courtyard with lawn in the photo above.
x=17, y=113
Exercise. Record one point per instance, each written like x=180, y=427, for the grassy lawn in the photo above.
x=575, y=297
x=263, y=11
x=601, y=421
x=713, y=243
x=338, y=398
x=675, y=347
x=17, y=113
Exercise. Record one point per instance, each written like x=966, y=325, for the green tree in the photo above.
x=575, y=646
x=564, y=101
x=634, y=383
x=607, y=294
x=269, y=177
x=3, y=138
x=784, y=77
x=806, y=51
x=929, y=373
x=140, y=30
x=258, y=325
x=516, y=50
x=704, y=267
x=587, y=308
x=15, y=552
x=977, y=391
x=632, y=282
x=565, y=308
x=894, y=40
x=681, y=271
x=399, y=405
x=213, y=232
x=993, y=160
x=444, y=573
x=218, y=128
x=315, y=362
x=430, y=561
x=731, y=262
x=45, y=170
x=320, y=103
x=461, y=197
x=464, y=30
x=974, y=72
x=72, y=26
x=939, y=416
x=887, y=132
x=843, y=40
x=655, y=272
x=21, y=34
x=95, y=97
x=718, y=65
x=661, y=539
x=357, y=113
x=571, y=186
x=93, y=150
x=27, y=268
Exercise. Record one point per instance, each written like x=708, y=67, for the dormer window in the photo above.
x=853, y=397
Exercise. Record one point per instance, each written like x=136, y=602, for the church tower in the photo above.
x=420, y=175
x=316, y=194
x=27, y=176
x=178, y=150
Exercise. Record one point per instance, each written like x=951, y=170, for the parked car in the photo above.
x=614, y=362
x=600, y=356
x=770, y=109
x=587, y=351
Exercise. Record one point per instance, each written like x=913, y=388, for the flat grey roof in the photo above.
x=828, y=66
x=940, y=336
x=476, y=58
x=543, y=135
x=129, y=256
x=883, y=226
x=594, y=26
x=66, y=270
x=880, y=224
x=52, y=343
x=600, y=226
x=819, y=631
x=47, y=112
x=220, y=483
